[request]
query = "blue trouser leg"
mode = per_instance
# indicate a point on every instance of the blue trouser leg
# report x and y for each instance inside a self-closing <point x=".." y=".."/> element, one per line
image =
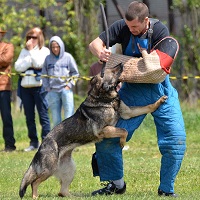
<point x="171" y="142"/>
<point x="29" y="111"/>
<point x="32" y="97"/>
<point x="57" y="100"/>
<point x="170" y="131"/>
<point x="55" y="106"/>
<point x="42" y="108"/>
<point x="5" y="110"/>
<point x="106" y="171"/>
<point x="109" y="153"/>
<point x="68" y="102"/>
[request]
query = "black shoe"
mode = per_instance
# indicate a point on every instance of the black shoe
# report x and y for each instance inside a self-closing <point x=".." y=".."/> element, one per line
<point x="161" y="193"/>
<point x="110" y="189"/>
<point x="9" y="149"/>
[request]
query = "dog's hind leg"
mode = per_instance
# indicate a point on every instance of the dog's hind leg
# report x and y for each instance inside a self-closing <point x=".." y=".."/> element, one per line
<point x="113" y="132"/>
<point x="127" y="112"/>
<point x="65" y="174"/>
<point x="28" y="178"/>
<point x="34" y="185"/>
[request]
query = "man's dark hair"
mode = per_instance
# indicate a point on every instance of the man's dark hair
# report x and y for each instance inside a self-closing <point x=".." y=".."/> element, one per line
<point x="137" y="10"/>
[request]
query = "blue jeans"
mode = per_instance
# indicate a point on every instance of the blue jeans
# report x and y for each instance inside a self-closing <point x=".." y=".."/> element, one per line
<point x="32" y="97"/>
<point x="57" y="100"/>
<point x="5" y="109"/>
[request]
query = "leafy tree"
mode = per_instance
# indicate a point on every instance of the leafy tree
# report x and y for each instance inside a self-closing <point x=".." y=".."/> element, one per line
<point x="190" y="47"/>
<point x="73" y="20"/>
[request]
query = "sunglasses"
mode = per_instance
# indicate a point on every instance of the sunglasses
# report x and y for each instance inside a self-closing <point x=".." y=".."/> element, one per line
<point x="32" y="37"/>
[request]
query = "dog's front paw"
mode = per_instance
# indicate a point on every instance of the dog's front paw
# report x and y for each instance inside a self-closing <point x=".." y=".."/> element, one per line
<point x="156" y="105"/>
<point x="35" y="197"/>
<point x="163" y="99"/>
<point x="122" y="144"/>
<point x="160" y="101"/>
<point x="123" y="137"/>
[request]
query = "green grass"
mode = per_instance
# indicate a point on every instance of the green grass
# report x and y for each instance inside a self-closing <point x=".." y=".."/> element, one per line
<point x="141" y="164"/>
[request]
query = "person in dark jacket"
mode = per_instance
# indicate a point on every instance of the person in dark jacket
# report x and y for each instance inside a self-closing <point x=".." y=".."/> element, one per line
<point x="6" y="58"/>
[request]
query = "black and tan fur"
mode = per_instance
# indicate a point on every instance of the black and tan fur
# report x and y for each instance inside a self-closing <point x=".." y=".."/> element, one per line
<point x="94" y="119"/>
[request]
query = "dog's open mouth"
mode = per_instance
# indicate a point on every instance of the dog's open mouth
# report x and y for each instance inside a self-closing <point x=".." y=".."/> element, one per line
<point x="107" y="87"/>
<point x="108" y="92"/>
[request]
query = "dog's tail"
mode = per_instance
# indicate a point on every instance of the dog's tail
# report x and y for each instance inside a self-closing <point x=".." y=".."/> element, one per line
<point x="28" y="178"/>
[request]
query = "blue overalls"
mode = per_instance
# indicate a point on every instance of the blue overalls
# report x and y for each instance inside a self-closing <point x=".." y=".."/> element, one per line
<point x="169" y="126"/>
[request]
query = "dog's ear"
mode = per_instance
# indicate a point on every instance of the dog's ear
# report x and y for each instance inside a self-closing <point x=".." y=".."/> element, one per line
<point x="119" y="69"/>
<point x="93" y="80"/>
<point x="95" y="84"/>
<point x="96" y="81"/>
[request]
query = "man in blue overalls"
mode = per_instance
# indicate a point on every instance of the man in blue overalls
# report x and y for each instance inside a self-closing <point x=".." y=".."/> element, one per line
<point x="130" y="32"/>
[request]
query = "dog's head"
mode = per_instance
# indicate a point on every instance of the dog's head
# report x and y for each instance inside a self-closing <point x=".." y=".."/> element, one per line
<point x="105" y="87"/>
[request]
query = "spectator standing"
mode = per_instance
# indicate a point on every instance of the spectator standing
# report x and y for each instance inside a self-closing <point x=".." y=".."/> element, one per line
<point x="30" y="89"/>
<point x="60" y="91"/>
<point x="6" y="58"/>
<point x="95" y="68"/>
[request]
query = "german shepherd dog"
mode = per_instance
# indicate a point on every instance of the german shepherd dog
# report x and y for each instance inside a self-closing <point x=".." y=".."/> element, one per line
<point x="94" y="119"/>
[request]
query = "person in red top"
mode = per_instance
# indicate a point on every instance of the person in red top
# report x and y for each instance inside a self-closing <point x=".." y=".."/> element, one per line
<point x="6" y="57"/>
<point x="95" y="68"/>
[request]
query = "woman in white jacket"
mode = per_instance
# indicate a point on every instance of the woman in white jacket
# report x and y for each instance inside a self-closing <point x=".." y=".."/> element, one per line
<point x="30" y="89"/>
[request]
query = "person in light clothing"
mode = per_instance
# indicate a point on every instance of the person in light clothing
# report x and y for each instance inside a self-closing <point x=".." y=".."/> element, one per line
<point x="30" y="88"/>
<point x="60" y="90"/>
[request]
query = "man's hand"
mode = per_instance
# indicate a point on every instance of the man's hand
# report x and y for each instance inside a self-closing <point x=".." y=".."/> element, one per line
<point x="98" y="48"/>
<point x="104" y="54"/>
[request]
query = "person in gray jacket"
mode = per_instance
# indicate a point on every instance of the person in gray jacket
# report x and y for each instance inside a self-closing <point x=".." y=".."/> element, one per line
<point x="60" y="90"/>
